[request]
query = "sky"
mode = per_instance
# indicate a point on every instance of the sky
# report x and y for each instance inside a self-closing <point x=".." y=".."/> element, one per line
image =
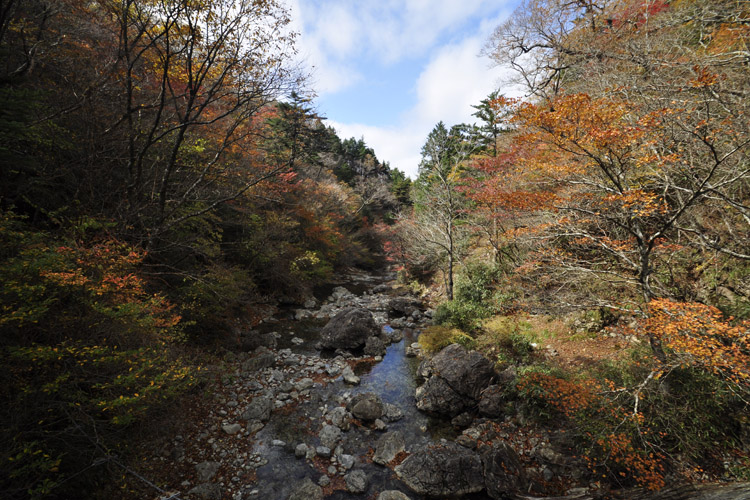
<point x="389" y="70"/>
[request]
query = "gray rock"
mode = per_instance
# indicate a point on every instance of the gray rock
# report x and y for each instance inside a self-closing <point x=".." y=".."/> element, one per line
<point x="356" y="481"/>
<point x="303" y="384"/>
<point x="206" y="471"/>
<point x="436" y="396"/>
<point x="206" y="491"/>
<point x="403" y="306"/>
<point x="259" y="409"/>
<point x="301" y="450"/>
<point x="349" y="329"/>
<point x="340" y="293"/>
<point x="374" y="347"/>
<point x="388" y="446"/>
<point x="251" y="341"/>
<point x="263" y="358"/>
<point x="349" y="376"/>
<point x="503" y="471"/>
<point x="392" y="495"/>
<point x="323" y="451"/>
<point x="330" y="435"/>
<point x="442" y="471"/>
<point x="413" y="350"/>
<point x="467" y="372"/>
<point x="307" y="490"/>
<point x="462" y="420"/>
<point x="492" y="402"/>
<point x="392" y="413"/>
<point x="340" y="417"/>
<point x="347" y="461"/>
<point x="231" y="428"/>
<point x="366" y="406"/>
<point x="324" y="480"/>
<point x="380" y="425"/>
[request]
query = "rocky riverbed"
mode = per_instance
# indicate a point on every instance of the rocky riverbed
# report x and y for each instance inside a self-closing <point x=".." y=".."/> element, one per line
<point x="334" y="400"/>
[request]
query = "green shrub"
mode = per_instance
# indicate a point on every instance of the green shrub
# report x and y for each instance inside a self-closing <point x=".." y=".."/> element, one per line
<point x="463" y="315"/>
<point x="435" y="338"/>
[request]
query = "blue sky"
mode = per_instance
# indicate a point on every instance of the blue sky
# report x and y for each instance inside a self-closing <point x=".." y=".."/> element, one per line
<point x="389" y="70"/>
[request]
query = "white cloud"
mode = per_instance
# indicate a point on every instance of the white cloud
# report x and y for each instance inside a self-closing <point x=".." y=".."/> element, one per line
<point x="335" y="35"/>
<point x="455" y="79"/>
<point x="338" y="36"/>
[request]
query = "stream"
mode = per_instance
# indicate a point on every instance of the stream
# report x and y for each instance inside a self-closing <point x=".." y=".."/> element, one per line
<point x="393" y="379"/>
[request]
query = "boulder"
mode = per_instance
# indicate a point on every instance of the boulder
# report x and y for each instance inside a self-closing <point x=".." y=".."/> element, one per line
<point x="349" y="329"/>
<point x="492" y="402"/>
<point x="263" y="358"/>
<point x="456" y="380"/>
<point x="436" y="396"/>
<point x="503" y="472"/>
<point x="403" y="306"/>
<point x="374" y="347"/>
<point x="366" y="406"/>
<point x="388" y="446"/>
<point x="252" y="340"/>
<point x="442" y="471"/>
<point x="259" y="409"/>
<point x="467" y="372"/>
<point x="307" y="490"/>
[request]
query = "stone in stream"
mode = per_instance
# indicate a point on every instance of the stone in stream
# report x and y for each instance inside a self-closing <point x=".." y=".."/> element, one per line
<point x="307" y="490"/>
<point x="388" y="446"/>
<point x="403" y="306"/>
<point x="366" y="406"/>
<point x="392" y="413"/>
<point x="259" y="409"/>
<point x="301" y="450"/>
<point x="356" y="481"/>
<point x="263" y="358"/>
<point x="413" y="350"/>
<point x="457" y="380"/>
<point x="251" y="340"/>
<point x="467" y="372"/>
<point x="392" y="495"/>
<point x="340" y="417"/>
<point x="436" y="396"/>
<point x="349" y="376"/>
<point x="374" y="346"/>
<point x="442" y="471"/>
<point x="349" y="330"/>
<point x="330" y="435"/>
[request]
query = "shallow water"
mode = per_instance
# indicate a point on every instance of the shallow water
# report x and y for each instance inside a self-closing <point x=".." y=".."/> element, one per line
<point x="393" y="379"/>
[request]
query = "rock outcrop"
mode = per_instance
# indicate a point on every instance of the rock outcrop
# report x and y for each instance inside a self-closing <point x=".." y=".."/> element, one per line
<point x="442" y="471"/>
<point x="349" y="330"/>
<point x="457" y="379"/>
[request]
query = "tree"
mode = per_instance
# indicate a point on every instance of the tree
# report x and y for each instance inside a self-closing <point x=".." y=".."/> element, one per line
<point x="438" y="204"/>
<point x="490" y="112"/>
<point x="640" y="168"/>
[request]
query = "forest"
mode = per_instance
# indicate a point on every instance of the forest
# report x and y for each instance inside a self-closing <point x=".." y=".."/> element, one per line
<point x="166" y="183"/>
